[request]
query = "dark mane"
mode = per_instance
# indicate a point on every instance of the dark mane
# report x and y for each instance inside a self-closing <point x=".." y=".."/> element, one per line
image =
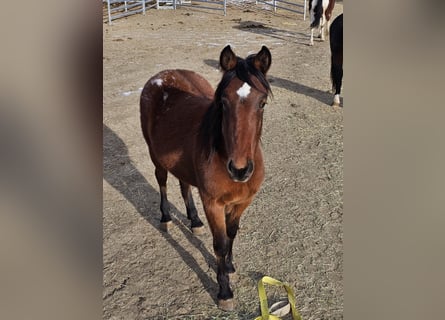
<point x="210" y="131"/>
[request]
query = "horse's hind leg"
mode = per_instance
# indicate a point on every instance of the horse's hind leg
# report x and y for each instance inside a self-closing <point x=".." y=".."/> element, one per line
<point x="161" y="177"/>
<point x="196" y="224"/>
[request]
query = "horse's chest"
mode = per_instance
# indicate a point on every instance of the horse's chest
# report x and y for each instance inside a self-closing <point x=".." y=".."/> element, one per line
<point x="238" y="194"/>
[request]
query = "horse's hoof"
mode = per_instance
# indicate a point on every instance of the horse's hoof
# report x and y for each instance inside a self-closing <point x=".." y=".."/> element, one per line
<point x="226" y="305"/>
<point x="165" y="226"/>
<point x="197" y="231"/>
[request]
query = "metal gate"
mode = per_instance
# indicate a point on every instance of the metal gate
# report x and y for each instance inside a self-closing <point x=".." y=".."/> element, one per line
<point x="294" y="6"/>
<point x="204" y="4"/>
<point x="118" y="9"/>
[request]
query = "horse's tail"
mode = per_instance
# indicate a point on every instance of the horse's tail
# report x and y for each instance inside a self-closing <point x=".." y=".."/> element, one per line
<point x="144" y="116"/>
<point x="318" y="12"/>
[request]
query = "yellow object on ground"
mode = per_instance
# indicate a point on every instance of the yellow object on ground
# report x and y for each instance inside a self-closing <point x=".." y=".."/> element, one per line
<point x="265" y="311"/>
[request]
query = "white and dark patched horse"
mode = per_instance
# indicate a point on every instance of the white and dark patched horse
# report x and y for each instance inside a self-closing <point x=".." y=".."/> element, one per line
<point x="320" y="12"/>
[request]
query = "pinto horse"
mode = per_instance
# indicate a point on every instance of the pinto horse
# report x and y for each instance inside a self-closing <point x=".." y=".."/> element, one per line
<point x="320" y="12"/>
<point x="210" y="140"/>
<point x="336" y="44"/>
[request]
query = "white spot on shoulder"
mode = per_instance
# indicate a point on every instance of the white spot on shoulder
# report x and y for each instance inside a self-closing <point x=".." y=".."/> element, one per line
<point x="165" y="96"/>
<point x="244" y="91"/>
<point x="157" y="82"/>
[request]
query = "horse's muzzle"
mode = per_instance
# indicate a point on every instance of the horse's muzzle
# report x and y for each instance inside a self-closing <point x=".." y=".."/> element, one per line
<point x="242" y="174"/>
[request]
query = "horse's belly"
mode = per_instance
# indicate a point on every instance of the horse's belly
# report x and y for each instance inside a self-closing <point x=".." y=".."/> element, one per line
<point x="183" y="170"/>
<point x="177" y="158"/>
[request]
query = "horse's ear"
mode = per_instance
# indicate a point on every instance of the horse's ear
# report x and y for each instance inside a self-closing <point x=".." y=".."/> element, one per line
<point x="227" y="59"/>
<point x="263" y="60"/>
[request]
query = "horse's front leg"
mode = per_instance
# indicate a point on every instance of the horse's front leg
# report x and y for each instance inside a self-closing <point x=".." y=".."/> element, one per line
<point x="217" y="222"/>
<point x="233" y="216"/>
<point x="322" y="28"/>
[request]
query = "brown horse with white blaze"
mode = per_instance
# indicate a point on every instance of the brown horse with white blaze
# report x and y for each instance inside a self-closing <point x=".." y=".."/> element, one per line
<point x="211" y="140"/>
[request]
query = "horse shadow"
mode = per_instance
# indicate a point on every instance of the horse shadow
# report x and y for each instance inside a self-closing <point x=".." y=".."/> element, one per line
<point x="120" y="172"/>
<point x="322" y="96"/>
<point x="276" y="33"/>
<point x="212" y="63"/>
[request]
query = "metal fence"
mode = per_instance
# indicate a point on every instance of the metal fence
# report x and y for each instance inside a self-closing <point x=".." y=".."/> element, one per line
<point x="118" y="9"/>
<point x="205" y="4"/>
<point x="287" y="5"/>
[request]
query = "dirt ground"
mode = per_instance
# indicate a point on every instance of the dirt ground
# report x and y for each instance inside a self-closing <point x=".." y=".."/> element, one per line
<point x="293" y="229"/>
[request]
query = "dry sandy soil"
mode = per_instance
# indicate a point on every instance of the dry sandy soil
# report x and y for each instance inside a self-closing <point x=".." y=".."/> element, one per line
<point x="293" y="229"/>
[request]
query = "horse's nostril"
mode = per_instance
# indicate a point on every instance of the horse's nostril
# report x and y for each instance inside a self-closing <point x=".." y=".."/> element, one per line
<point x="230" y="166"/>
<point x="233" y="168"/>
<point x="240" y="174"/>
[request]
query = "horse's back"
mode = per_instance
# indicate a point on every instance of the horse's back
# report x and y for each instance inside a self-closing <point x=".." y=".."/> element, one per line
<point x="173" y="103"/>
<point x="178" y="83"/>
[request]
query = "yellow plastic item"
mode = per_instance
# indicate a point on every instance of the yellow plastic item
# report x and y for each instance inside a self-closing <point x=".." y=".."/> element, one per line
<point x="265" y="313"/>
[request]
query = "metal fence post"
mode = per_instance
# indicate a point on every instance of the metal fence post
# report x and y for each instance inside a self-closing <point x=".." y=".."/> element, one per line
<point x="109" y="12"/>
<point x="304" y="13"/>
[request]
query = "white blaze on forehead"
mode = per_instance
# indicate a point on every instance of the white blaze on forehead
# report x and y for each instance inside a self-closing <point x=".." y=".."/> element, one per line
<point x="158" y="82"/>
<point x="244" y="91"/>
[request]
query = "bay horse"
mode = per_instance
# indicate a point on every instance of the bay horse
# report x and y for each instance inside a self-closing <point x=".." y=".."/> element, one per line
<point x="320" y="12"/>
<point x="336" y="44"/>
<point x="211" y="140"/>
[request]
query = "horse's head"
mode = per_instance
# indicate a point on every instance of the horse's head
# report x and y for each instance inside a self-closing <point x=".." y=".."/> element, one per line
<point x="242" y="96"/>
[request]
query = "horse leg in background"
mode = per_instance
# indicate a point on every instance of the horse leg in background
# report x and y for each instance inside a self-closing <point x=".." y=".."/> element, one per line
<point x="336" y="44"/>
<point x="161" y="177"/>
<point x="337" y="76"/>
<point x="192" y="214"/>
<point x="311" y="43"/>
<point x="323" y="28"/>
<point x="217" y="222"/>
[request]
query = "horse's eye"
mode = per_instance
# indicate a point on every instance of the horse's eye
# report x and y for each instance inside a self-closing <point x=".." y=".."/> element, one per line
<point x="262" y="105"/>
